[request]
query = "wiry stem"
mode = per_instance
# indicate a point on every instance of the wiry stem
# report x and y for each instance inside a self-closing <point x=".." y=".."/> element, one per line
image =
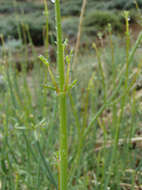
<point x="79" y="31"/>
<point x="62" y="103"/>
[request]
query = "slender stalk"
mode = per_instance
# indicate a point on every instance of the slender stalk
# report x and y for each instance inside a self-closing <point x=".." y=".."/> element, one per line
<point x="101" y="70"/>
<point x="127" y="48"/>
<point x="80" y="138"/>
<point x="63" y="153"/>
<point x="79" y="31"/>
<point x="47" y="29"/>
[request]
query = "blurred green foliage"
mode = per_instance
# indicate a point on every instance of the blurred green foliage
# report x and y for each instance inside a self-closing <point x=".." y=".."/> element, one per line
<point x="70" y="26"/>
<point x="15" y="14"/>
<point x="16" y="26"/>
<point x="97" y="21"/>
<point x="8" y="6"/>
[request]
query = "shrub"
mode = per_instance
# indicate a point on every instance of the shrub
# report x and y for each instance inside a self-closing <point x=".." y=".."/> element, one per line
<point x="134" y="16"/>
<point x="71" y="7"/>
<point x="35" y="22"/>
<point x="97" y="21"/>
<point x="11" y="45"/>
<point x="26" y="7"/>
<point x="8" y="26"/>
<point x="123" y="4"/>
<point x="70" y="26"/>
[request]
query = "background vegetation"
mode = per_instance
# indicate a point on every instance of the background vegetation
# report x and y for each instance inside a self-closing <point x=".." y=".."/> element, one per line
<point x="32" y="12"/>
<point x="104" y="107"/>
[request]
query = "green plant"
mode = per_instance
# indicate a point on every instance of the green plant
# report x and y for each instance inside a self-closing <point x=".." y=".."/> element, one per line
<point x="63" y="153"/>
<point x="84" y="4"/>
<point x="103" y="114"/>
<point x="62" y="95"/>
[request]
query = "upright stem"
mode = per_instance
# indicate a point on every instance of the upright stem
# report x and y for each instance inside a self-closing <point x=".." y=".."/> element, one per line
<point x="47" y="32"/>
<point x="79" y="31"/>
<point x="62" y="103"/>
<point x="60" y="54"/>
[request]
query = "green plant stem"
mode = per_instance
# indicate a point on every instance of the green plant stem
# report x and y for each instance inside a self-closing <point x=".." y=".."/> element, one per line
<point x="79" y="31"/>
<point x="62" y="103"/>
<point x="80" y="137"/>
<point x="47" y="29"/>
<point x="101" y="71"/>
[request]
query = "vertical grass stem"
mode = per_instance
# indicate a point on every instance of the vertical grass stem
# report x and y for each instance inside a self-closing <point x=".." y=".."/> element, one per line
<point x="62" y="103"/>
